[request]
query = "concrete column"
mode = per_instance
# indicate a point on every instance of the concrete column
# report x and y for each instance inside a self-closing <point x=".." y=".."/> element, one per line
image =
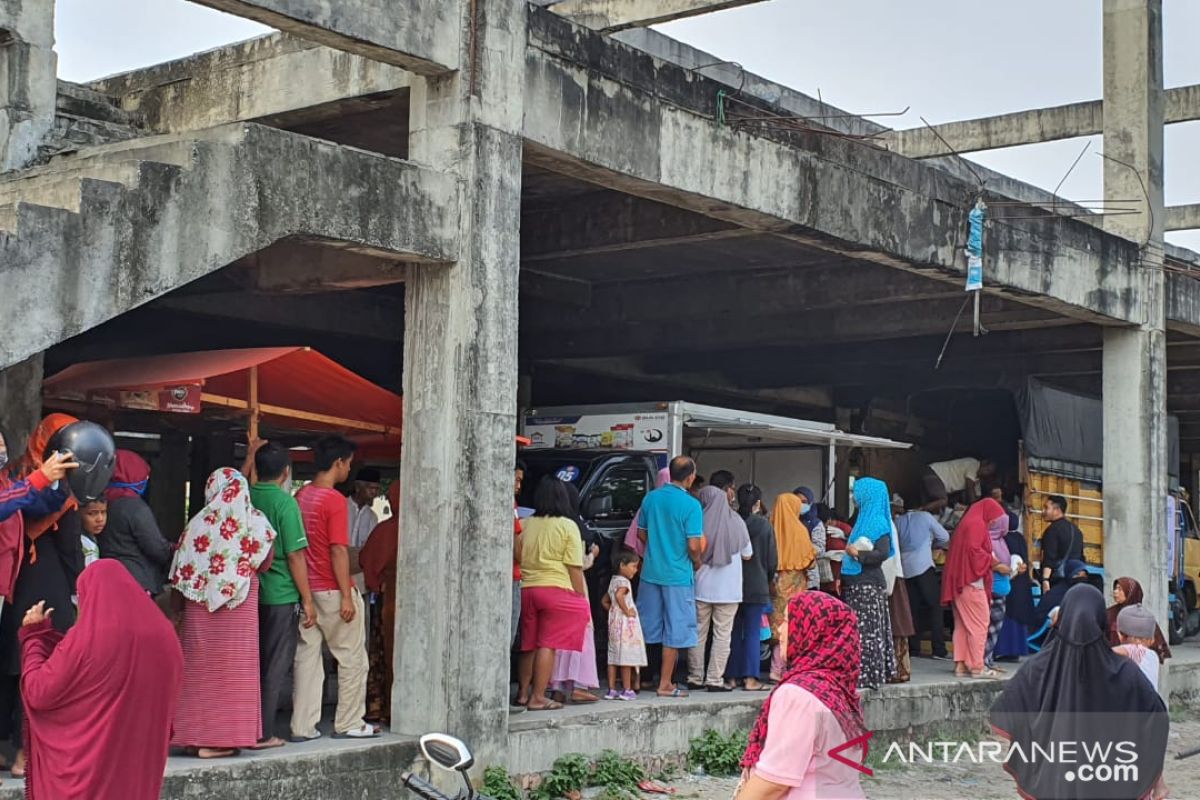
<point x="20" y="403"/>
<point x="460" y="386"/>
<point x="1135" y="366"/>
<point x="28" y="79"/>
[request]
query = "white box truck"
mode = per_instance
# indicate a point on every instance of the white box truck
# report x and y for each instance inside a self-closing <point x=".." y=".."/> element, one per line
<point x="776" y="453"/>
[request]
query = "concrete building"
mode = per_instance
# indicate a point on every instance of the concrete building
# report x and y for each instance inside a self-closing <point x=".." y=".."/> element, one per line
<point x="476" y="196"/>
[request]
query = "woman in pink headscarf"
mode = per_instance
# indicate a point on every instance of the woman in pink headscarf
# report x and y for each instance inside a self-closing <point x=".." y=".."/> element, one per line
<point x="632" y="542"/>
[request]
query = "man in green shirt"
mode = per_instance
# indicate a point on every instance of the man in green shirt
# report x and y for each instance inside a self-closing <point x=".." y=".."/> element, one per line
<point x="284" y="595"/>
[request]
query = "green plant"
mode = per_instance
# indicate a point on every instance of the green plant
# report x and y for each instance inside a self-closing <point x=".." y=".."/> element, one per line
<point x="618" y="775"/>
<point x="716" y="754"/>
<point x="570" y="773"/>
<point x="498" y="785"/>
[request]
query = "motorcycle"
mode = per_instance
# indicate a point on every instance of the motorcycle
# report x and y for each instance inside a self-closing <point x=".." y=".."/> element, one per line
<point x="450" y="754"/>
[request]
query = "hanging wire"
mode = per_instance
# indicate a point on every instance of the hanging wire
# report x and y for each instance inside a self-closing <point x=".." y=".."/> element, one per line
<point x="942" y="139"/>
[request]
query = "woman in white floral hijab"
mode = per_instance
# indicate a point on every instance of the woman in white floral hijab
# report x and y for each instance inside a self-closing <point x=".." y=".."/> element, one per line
<point x="216" y="567"/>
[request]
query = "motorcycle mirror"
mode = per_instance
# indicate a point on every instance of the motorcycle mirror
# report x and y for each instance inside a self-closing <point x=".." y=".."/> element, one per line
<point x="446" y="751"/>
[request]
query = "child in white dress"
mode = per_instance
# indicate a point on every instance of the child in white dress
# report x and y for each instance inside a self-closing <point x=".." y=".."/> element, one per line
<point x="626" y="647"/>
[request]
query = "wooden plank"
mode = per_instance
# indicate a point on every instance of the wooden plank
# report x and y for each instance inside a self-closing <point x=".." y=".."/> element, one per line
<point x="291" y="413"/>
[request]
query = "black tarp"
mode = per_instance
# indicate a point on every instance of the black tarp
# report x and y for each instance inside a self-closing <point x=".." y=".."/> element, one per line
<point x="1064" y="432"/>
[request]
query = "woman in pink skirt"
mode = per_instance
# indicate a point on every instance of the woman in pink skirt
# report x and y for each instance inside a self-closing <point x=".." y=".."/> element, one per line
<point x="216" y="569"/>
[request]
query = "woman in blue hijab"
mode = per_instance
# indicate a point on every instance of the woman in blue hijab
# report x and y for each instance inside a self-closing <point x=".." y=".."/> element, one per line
<point x="864" y="587"/>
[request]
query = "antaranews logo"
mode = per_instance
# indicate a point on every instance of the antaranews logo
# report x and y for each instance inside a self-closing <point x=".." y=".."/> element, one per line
<point x="1074" y="761"/>
<point x="858" y="742"/>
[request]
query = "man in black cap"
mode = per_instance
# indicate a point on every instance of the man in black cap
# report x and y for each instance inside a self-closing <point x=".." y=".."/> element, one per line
<point x="361" y="505"/>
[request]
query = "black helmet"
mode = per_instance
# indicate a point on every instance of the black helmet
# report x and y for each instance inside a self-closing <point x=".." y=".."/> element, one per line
<point x="93" y="447"/>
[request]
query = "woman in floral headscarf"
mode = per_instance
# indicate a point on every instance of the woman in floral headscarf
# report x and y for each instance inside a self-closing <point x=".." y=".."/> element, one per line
<point x="215" y="569"/>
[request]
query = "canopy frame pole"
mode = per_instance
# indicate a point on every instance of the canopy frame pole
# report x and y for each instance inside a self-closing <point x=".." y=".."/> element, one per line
<point x="255" y="410"/>
<point x="296" y="414"/>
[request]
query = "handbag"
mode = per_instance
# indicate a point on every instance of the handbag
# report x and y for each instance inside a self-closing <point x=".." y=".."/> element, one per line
<point x="1061" y="570"/>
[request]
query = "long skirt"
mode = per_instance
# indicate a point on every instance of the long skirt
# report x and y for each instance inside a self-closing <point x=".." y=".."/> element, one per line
<point x="900" y="613"/>
<point x="870" y="603"/>
<point x="576" y="670"/>
<point x="972" y="613"/>
<point x="220" y="704"/>
<point x="1013" y="641"/>
<point x="380" y="652"/>
<point x="995" y="623"/>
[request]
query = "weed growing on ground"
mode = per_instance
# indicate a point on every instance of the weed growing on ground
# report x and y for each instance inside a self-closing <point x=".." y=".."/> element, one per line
<point x="716" y="754"/>
<point x="568" y="775"/>
<point x="497" y="784"/>
<point x="619" y="776"/>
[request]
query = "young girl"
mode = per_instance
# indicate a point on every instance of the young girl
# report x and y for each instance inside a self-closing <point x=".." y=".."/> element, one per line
<point x="626" y="647"/>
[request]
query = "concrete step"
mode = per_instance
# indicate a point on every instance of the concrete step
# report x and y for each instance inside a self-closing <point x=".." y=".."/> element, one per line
<point x="64" y="189"/>
<point x="79" y="101"/>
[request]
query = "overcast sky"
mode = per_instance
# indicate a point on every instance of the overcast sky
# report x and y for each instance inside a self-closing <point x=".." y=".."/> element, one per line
<point x="946" y="59"/>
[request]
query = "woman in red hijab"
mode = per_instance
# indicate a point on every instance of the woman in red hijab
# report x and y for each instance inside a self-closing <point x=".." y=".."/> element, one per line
<point x="815" y="709"/>
<point x="99" y="701"/>
<point x="378" y="561"/>
<point x="967" y="587"/>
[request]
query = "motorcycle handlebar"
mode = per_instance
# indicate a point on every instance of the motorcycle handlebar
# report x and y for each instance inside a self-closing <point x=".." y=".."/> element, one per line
<point x="422" y="788"/>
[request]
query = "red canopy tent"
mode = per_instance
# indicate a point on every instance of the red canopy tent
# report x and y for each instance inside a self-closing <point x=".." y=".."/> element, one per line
<point x="292" y="387"/>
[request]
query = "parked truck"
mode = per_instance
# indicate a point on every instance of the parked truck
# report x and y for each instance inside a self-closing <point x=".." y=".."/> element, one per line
<point x="1062" y="454"/>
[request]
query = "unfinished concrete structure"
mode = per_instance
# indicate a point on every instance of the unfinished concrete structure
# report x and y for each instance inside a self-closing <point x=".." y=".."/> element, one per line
<point x="473" y="196"/>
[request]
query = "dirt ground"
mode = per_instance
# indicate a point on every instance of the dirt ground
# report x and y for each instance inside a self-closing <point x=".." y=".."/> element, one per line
<point x="970" y="781"/>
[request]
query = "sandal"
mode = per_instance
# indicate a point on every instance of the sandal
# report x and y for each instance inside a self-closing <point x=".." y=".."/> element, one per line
<point x="269" y="744"/>
<point x="674" y="694"/>
<point x="363" y="731"/>
<point x="986" y="674"/>
<point x="207" y="753"/>
<point x="580" y="697"/>
<point x="552" y="705"/>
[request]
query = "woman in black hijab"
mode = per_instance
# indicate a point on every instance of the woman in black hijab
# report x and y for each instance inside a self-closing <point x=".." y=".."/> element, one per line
<point x="1092" y="711"/>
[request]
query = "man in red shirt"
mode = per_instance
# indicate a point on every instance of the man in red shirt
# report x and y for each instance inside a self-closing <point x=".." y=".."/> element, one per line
<point x="339" y="605"/>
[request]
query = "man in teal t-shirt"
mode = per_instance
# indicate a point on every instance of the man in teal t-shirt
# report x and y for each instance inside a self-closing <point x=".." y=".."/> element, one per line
<point x="284" y="596"/>
<point x="671" y="523"/>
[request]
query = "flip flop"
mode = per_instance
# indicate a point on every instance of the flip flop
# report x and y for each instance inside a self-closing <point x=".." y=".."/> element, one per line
<point x="553" y="705"/>
<point x="654" y="787"/>
<point x="269" y="744"/>
<point x="675" y="694"/>
<point x="582" y="698"/>
<point x="302" y="739"/>
<point x="363" y="731"/>
<point x="216" y="752"/>
<point x="987" y="674"/>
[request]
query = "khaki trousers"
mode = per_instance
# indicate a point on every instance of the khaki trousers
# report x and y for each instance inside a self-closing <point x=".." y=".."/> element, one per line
<point x="720" y="616"/>
<point x="347" y="643"/>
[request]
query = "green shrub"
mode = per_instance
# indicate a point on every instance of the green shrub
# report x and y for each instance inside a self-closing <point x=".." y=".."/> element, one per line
<point x="716" y="754"/>
<point x="619" y="776"/>
<point x="498" y="784"/>
<point x="570" y="773"/>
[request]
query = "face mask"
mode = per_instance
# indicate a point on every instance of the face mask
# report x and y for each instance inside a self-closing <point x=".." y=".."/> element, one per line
<point x="805" y="508"/>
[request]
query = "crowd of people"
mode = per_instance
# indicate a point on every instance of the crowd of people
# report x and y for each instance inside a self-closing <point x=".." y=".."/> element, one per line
<point x="263" y="581"/>
<point x="210" y="627"/>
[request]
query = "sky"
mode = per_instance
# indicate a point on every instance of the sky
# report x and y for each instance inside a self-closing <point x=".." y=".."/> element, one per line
<point x="943" y="59"/>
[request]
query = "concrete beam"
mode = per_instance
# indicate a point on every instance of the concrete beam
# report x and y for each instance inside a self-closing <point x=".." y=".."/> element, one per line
<point x="615" y="116"/>
<point x="711" y="385"/>
<point x="847" y="287"/>
<point x="256" y="79"/>
<point x="1028" y="127"/>
<point x="361" y="314"/>
<point x="609" y="222"/>
<point x="609" y="16"/>
<point x="883" y="322"/>
<point x="424" y="38"/>
<point x="1182" y="218"/>
<point x="293" y="266"/>
<point x="92" y="236"/>
<point x="28" y="86"/>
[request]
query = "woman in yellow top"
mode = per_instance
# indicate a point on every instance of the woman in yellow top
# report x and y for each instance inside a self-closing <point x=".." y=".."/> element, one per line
<point x="554" y="608"/>
<point x="796" y="556"/>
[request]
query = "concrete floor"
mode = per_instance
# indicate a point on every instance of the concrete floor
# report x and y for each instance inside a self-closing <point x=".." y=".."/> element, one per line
<point x="541" y="736"/>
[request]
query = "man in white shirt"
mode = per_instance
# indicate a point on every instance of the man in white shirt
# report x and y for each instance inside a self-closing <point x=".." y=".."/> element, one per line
<point x="361" y="505"/>
<point x="957" y="479"/>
